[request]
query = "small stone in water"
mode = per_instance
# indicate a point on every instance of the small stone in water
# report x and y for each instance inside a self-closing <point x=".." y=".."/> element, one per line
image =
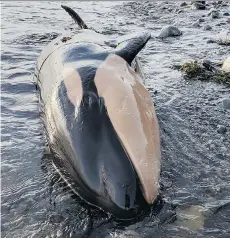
<point x="199" y="5"/>
<point x="226" y="65"/>
<point x="221" y="129"/>
<point x="210" y="41"/>
<point x="183" y="4"/>
<point x="201" y="20"/>
<point x="169" y="31"/>
<point x="207" y="28"/>
<point x="212" y="146"/>
<point x="222" y="139"/>
<point x="226" y="103"/>
<point x="214" y="13"/>
<point x="196" y="25"/>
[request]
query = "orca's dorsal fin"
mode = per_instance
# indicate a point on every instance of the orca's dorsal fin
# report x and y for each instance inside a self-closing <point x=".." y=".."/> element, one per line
<point x="75" y="17"/>
<point x="129" y="48"/>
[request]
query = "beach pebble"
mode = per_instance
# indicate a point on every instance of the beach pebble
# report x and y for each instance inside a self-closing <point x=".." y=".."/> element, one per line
<point x="196" y="25"/>
<point x="226" y="103"/>
<point x="222" y="23"/>
<point x="226" y="65"/>
<point x="212" y="146"/>
<point x="224" y="37"/>
<point x="183" y="4"/>
<point x="222" y="139"/>
<point x="214" y="13"/>
<point x="207" y="28"/>
<point x="221" y="129"/>
<point x="210" y="41"/>
<point x="180" y="11"/>
<point x="169" y="31"/>
<point x="198" y="5"/>
<point x="201" y="20"/>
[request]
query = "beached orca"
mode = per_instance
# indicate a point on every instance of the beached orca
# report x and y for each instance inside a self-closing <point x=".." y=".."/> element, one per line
<point x="99" y="119"/>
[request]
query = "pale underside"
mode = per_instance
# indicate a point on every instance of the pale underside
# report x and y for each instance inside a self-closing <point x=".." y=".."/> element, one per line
<point x="131" y="111"/>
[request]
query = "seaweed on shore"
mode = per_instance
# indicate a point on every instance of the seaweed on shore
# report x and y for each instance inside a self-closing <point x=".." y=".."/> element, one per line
<point x="191" y="69"/>
<point x="205" y="71"/>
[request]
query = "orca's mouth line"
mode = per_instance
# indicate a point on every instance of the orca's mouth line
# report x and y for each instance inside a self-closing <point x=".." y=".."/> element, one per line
<point x="93" y="205"/>
<point x="72" y="188"/>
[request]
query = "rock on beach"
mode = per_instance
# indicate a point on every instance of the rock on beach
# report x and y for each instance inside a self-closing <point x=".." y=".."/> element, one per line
<point x="169" y="31"/>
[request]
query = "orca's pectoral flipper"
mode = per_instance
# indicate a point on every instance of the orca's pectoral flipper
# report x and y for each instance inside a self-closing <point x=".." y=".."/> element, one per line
<point x="129" y="48"/>
<point x="75" y="17"/>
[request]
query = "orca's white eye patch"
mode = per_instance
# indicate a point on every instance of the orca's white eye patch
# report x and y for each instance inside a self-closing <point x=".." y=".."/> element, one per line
<point x="73" y="84"/>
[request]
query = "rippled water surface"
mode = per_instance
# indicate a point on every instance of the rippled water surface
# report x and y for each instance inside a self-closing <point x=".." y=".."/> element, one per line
<point x="195" y="177"/>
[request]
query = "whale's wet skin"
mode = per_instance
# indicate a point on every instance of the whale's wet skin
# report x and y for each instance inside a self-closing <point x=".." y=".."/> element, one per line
<point x="99" y="119"/>
<point x="195" y="158"/>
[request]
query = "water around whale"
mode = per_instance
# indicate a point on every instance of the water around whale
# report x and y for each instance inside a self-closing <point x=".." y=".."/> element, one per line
<point x="195" y="158"/>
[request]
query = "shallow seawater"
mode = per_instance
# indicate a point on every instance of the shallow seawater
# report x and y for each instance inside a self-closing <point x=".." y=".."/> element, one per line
<point x="195" y="177"/>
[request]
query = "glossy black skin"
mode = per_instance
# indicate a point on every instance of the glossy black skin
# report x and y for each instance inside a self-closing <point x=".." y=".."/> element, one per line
<point x="93" y="159"/>
<point x="107" y="175"/>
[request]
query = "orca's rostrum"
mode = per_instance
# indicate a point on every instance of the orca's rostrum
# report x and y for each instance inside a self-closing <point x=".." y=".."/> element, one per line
<point x="100" y="120"/>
